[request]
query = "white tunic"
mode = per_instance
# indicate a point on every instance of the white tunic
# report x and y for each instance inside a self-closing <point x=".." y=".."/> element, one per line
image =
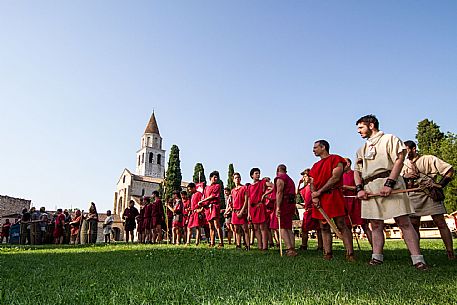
<point x="385" y="149"/>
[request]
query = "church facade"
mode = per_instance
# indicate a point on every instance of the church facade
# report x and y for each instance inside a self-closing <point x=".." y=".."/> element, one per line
<point x="149" y="172"/>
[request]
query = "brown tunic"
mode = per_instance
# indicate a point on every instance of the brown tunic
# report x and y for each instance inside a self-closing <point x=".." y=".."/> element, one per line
<point x="427" y="167"/>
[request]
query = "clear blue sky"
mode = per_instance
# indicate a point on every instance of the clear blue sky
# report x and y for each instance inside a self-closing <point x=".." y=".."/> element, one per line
<point x="252" y="83"/>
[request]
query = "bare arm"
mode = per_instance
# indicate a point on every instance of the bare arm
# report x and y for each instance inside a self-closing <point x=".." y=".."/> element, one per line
<point x="279" y="195"/>
<point x="206" y="199"/>
<point x="358" y="180"/>
<point x="336" y="176"/>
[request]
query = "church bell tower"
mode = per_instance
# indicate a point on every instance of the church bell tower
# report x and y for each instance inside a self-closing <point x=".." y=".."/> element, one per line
<point x="150" y="158"/>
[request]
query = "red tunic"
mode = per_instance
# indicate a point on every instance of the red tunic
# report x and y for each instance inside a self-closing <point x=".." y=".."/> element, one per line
<point x="308" y="222"/>
<point x="140" y="221"/>
<point x="288" y="201"/>
<point x="147" y="216"/>
<point x="178" y="214"/>
<point x="157" y="213"/>
<point x="353" y="205"/>
<point x="6" y="229"/>
<point x="332" y="202"/>
<point x="194" y="219"/>
<point x="186" y="211"/>
<point x="238" y="197"/>
<point x="257" y="209"/>
<point x="212" y="207"/>
<point x="271" y="205"/>
<point x="58" y="228"/>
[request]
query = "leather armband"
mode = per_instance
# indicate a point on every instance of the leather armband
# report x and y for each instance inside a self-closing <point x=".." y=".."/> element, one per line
<point x="359" y="187"/>
<point x="390" y="183"/>
<point x="445" y="181"/>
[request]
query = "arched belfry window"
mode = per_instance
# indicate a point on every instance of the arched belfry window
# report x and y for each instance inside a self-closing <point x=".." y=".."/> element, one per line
<point x="151" y="155"/>
<point x="149" y="141"/>
<point x="123" y="179"/>
<point x="142" y="158"/>
<point x="159" y="159"/>
<point x="142" y="192"/>
<point x="139" y="160"/>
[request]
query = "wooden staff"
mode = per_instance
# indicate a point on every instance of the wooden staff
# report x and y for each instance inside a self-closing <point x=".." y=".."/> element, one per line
<point x="396" y="192"/>
<point x="392" y="193"/>
<point x="356" y="237"/>
<point x="332" y="225"/>
<point x="280" y="239"/>
<point x="80" y="227"/>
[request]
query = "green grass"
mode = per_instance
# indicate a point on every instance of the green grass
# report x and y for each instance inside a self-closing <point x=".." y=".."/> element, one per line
<point x="160" y="274"/>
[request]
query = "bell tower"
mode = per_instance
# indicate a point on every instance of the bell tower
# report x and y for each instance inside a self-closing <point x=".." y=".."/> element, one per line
<point x="150" y="158"/>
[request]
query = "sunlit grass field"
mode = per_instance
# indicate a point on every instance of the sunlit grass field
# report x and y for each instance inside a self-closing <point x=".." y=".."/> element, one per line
<point x="161" y="274"/>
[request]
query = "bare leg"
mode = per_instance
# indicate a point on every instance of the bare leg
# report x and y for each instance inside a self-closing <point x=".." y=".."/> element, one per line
<point x="367" y="231"/>
<point x="409" y="234"/>
<point x="377" y="227"/>
<point x="258" y="235"/>
<point x="198" y="235"/>
<point x="445" y="233"/>
<point x="304" y="240"/>
<point x="320" y="243"/>
<point x="218" y="229"/>
<point x="326" y="239"/>
<point x="188" y="236"/>
<point x="211" y="233"/>
<point x="264" y="231"/>
<point x="347" y="234"/>
<point x="159" y="233"/>
<point x="207" y="233"/>
<point x="416" y="222"/>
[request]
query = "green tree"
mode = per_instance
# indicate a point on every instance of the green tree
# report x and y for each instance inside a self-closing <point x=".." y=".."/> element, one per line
<point x="222" y="200"/>
<point x="448" y="152"/>
<point x="431" y="141"/>
<point x="231" y="171"/>
<point x="173" y="177"/>
<point x="199" y="173"/>
<point x="160" y="190"/>
<point x="429" y="137"/>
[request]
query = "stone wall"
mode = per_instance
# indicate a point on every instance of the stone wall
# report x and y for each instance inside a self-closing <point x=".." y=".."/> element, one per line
<point x="11" y="205"/>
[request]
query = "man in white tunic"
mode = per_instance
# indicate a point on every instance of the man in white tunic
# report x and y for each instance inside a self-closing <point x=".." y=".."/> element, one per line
<point x="422" y="171"/>
<point x="377" y="171"/>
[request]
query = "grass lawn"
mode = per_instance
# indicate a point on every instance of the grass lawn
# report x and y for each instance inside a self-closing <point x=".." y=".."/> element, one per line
<point x="160" y="274"/>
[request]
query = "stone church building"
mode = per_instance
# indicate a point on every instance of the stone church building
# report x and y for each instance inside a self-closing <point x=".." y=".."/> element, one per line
<point x="149" y="173"/>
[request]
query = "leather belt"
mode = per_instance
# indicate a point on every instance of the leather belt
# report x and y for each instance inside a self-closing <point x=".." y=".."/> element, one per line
<point x="377" y="176"/>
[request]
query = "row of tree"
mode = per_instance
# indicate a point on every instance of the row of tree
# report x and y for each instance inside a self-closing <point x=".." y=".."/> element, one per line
<point x="174" y="176"/>
<point x="430" y="140"/>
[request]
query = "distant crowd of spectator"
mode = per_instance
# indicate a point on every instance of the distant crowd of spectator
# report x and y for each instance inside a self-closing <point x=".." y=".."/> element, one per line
<point x="35" y="227"/>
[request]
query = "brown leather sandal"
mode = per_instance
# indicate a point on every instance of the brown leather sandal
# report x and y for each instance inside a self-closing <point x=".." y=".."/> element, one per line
<point x="375" y="262"/>
<point x="421" y="266"/>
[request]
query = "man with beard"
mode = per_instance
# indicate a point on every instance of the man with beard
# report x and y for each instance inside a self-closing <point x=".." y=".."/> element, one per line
<point x="422" y="171"/>
<point x="378" y="166"/>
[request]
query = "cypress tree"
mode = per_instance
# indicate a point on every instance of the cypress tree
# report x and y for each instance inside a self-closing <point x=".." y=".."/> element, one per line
<point x="174" y="177"/>
<point x="231" y="171"/>
<point x="429" y="137"/>
<point x="199" y="173"/>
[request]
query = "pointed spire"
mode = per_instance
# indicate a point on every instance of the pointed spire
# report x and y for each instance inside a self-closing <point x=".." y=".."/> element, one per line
<point x="152" y="125"/>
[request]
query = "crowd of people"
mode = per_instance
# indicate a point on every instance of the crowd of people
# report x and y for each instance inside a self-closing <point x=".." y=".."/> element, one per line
<point x="61" y="227"/>
<point x="390" y="180"/>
